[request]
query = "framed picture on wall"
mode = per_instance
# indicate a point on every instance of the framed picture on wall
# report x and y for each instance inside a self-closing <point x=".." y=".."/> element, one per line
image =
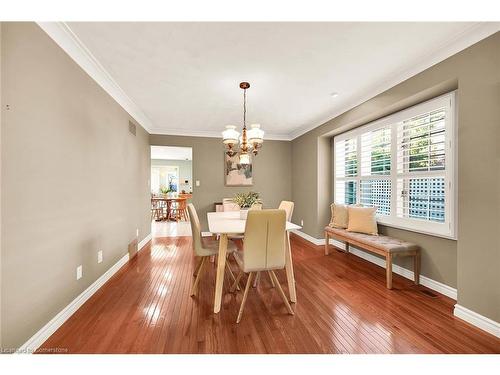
<point x="236" y="174"/>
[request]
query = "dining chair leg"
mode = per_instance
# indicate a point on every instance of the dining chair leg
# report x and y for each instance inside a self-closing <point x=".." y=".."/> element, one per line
<point x="197" y="280"/>
<point x="236" y="283"/>
<point x="197" y="268"/>
<point x="281" y="293"/>
<point x="232" y="275"/>
<point x="256" y="280"/>
<point x="271" y="278"/>
<point x="244" y="300"/>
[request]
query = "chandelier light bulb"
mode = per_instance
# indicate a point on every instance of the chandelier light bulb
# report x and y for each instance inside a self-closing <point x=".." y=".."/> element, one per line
<point x="255" y="134"/>
<point x="230" y="135"/>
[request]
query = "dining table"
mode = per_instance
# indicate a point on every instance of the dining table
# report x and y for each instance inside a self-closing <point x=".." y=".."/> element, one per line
<point x="230" y="223"/>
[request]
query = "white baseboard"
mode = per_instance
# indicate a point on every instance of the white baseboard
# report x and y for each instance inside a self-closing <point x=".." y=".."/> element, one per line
<point x="144" y="242"/>
<point x="48" y="329"/>
<point x="480" y="321"/>
<point x="314" y="240"/>
<point x="425" y="281"/>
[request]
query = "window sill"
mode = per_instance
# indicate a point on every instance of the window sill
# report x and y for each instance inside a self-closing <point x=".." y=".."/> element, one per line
<point x="420" y="231"/>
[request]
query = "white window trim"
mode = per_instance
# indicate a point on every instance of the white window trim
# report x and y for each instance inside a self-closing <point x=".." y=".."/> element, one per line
<point x="446" y="229"/>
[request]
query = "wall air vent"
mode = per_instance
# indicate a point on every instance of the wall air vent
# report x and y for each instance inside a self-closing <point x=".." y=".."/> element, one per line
<point x="428" y="293"/>
<point x="132" y="127"/>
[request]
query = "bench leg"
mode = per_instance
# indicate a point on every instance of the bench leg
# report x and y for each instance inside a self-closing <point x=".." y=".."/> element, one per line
<point x="416" y="267"/>
<point x="388" y="269"/>
<point x="347" y="247"/>
<point x="327" y="242"/>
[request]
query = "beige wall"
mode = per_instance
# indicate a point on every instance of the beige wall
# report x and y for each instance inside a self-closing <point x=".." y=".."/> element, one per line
<point x="1" y="116"/>
<point x="271" y="171"/>
<point x="74" y="181"/>
<point x="472" y="263"/>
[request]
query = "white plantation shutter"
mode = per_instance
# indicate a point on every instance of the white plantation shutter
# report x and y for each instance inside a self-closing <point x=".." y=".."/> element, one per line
<point x="421" y="142"/>
<point x="346" y="169"/>
<point x="346" y="158"/>
<point x="402" y="164"/>
<point x="346" y="192"/>
<point x="376" y="152"/>
<point x="375" y="184"/>
<point x="421" y="153"/>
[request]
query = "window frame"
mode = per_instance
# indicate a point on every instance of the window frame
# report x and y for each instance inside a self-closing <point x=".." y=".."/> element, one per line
<point x="447" y="229"/>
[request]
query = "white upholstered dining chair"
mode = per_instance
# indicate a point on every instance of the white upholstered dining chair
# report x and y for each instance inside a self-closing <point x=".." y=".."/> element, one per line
<point x="229" y="205"/>
<point x="263" y="250"/>
<point x="204" y="248"/>
<point x="288" y="207"/>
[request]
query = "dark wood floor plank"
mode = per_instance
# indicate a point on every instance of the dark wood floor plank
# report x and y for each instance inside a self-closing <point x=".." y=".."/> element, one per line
<point x="343" y="307"/>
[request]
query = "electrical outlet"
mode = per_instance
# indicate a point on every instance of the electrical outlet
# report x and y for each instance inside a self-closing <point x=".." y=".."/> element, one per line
<point x="79" y="272"/>
<point x="99" y="256"/>
<point x="137" y="232"/>
<point x="301" y="222"/>
<point x="197" y="182"/>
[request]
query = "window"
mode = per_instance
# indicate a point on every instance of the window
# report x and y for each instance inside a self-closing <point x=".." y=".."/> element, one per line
<point x="402" y="164"/>
<point x="164" y="177"/>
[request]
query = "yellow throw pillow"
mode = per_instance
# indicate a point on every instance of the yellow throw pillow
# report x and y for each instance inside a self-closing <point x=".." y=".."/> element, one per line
<point x="362" y="220"/>
<point x="339" y="216"/>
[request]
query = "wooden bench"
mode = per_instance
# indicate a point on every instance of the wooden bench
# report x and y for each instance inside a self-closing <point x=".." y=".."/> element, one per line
<point x="386" y="246"/>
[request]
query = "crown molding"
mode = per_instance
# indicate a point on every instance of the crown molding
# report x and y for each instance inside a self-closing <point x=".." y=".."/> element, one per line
<point x="62" y="34"/>
<point x="211" y="134"/>
<point x="452" y="46"/>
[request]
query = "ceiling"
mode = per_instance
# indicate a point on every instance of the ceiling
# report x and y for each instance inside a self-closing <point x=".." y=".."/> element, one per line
<point x="184" y="78"/>
<point x="171" y="153"/>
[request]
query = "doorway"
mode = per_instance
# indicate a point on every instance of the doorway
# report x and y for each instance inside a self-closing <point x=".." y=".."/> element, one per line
<point x="171" y="190"/>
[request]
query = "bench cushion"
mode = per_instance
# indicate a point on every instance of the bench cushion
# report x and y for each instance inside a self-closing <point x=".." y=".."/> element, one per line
<point x="384" y="243"/>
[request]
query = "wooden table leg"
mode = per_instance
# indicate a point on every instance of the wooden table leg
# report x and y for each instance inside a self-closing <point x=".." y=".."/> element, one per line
<point x="289" y="269"/>
<point x="221" y="265"/>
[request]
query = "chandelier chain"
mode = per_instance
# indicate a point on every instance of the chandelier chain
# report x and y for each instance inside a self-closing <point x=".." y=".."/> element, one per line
<point x="244" y="108"/>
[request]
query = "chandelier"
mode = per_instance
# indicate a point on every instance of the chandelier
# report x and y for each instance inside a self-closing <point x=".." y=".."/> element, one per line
<point x="250" y="141"/>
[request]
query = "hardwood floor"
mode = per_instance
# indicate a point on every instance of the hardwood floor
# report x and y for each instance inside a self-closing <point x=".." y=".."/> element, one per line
<point x="343" y="307"/>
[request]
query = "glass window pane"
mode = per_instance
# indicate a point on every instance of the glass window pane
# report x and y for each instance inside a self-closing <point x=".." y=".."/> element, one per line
<point x="345" y="192"/>
<point x="377" y="193"/>
<point x="422" y="198"/>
